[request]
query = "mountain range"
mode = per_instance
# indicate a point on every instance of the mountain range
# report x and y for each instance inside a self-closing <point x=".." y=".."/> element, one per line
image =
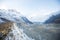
<point x="14" y="16"/>
<point x="54" y="18"/>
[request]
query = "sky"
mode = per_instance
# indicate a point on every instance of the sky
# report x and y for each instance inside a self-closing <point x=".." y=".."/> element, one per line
<point x="34" y="10"/>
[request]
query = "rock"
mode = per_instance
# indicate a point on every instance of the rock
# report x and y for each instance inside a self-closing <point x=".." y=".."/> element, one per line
<point x="4" y="29"/>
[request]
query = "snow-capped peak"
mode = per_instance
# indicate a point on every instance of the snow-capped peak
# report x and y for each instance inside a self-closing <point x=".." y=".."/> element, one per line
<point x="10" y="15"/>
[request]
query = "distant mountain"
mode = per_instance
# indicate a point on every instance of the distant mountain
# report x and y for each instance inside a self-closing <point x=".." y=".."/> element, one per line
<point x="55" y="18"/>
<point x="26" y="20"/>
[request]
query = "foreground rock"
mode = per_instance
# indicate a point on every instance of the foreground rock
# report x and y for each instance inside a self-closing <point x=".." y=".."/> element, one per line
<point x="5" y="28"/>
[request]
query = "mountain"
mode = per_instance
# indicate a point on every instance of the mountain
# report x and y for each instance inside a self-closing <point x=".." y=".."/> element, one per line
<point x="54" y="18"/>
<point x="13" y="16"/>
<point x="26" y="20"/>
<point x="9" y="29"/>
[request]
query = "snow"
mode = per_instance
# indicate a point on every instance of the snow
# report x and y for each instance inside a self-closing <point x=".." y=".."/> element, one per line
<point x="11" y="15"/>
